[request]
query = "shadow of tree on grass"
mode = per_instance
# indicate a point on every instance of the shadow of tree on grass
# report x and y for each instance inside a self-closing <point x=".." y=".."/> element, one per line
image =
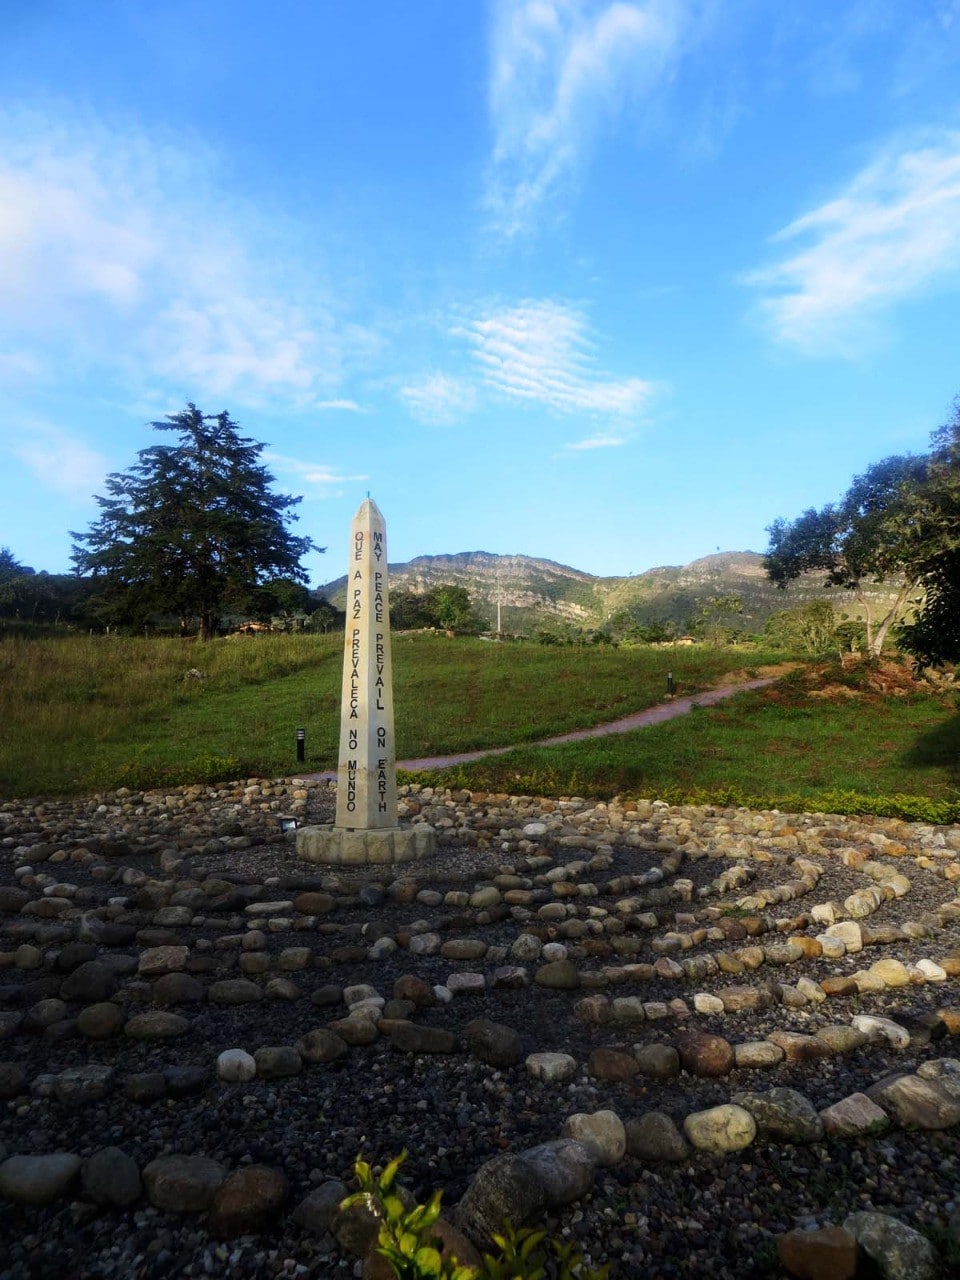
<point x="938" y="748"/>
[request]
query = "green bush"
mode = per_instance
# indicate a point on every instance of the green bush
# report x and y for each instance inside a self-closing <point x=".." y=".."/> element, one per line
<point x="407" y="1241"/>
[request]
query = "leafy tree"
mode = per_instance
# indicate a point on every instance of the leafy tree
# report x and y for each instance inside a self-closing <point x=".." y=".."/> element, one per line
<point x="326" y="616"/>
<point x="454" y="610"/>
<point x="284" y="602"/>
<point x="14" y="578"/>
<point x="10" y="566"/>
<point x="933" y="637"/>
<point x="191" y="528"/>
<point x="410" y="610"/>
<point x="871" y="535"/>
<point x="715" y="615"/>
<point x="809" y="628"/>
<point x="33" y="597"/>
<point x="447" y="607"/>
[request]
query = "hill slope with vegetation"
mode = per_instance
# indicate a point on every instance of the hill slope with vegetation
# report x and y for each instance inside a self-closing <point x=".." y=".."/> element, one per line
<point x="535" y="593"/>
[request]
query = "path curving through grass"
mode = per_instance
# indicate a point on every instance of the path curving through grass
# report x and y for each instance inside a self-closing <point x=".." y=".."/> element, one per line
<point x="658" y="714"/>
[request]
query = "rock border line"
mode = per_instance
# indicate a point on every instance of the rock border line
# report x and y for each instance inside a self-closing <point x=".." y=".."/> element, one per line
<point x="50" y="915"/>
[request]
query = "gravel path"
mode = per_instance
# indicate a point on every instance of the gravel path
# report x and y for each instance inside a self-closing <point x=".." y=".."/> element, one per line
<point x="669" y="960"/>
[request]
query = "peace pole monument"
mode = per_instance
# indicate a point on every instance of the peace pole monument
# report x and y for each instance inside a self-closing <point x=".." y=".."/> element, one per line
<point x="367" y="827"/>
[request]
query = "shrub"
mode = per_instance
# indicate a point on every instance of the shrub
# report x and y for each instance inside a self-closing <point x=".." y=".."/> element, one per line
<point x="407" y="1241"/>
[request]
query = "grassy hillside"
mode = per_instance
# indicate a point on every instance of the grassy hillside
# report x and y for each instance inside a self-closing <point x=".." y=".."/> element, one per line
<point x="86" y="712"/>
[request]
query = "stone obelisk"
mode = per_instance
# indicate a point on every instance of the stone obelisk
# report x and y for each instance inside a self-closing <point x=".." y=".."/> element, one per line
<point x="367" y="828"/>
<point x="367" y="776"/>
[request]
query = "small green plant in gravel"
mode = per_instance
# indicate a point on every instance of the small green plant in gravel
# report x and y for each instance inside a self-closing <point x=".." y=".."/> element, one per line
<point x="406" y="1238"/>
<point x="946" y="1242"/>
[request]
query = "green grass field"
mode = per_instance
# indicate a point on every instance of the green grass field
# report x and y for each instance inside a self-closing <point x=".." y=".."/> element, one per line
<point x="92" y="713"/>
<point x="854" y="749"/>
<point x="83" y="713"/>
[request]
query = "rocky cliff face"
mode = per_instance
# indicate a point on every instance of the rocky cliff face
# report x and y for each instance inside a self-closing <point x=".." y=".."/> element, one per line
<point x="533" y="592"/>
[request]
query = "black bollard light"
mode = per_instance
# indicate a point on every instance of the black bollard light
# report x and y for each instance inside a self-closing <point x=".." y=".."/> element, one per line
<point x="301" y="745"/>
<point x="671" y="688"/>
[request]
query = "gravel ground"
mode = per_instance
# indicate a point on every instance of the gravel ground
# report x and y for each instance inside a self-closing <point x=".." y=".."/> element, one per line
<point x="120" y="874"/>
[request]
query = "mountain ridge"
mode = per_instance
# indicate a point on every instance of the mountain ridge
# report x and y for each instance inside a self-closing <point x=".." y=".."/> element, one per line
<point x="534" y="591"/>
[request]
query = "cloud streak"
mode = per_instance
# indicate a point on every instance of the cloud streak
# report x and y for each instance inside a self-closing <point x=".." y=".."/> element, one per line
<point x="604" y="440"/>
<point x="319" y="474"/>
<point x="439" y="399"/>
<point x="541" y="352"/>
<point x="892" y="234"/>
<point x="559" y="70"/>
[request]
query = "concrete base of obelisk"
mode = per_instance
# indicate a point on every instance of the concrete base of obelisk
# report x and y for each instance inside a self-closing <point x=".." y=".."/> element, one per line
<point x="344" y="846"/>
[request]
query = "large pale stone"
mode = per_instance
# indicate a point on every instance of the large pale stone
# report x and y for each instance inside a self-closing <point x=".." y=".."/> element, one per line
<point x="564" y="1168"/>
<point x="654" y="1137"/>
<point x="916" y="1103"/>
<point x="854" y="1116"/>
<point x="899" y="1252"/>
<point x="848" y="932"/>
<point x="880" y="1029"/>
<point x="236" y="1066"/>
<point x="602" y="1132"/>
<point x="892" y="972"/>
<point x="757" y="1054"/>
<point x="799" y="1047"/>
<point x="506" y="1187"/>
<point x="169" y="959"/>
<point x="840" y="1038"/>
<point x="782" y="1114"/>
<point x="552" y="1068"/>
<point x="720" y="1129"/>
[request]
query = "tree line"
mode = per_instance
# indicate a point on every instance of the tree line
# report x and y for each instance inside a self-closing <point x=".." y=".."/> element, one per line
<point x="897" y="522"/>
<point x="194" y="533"/>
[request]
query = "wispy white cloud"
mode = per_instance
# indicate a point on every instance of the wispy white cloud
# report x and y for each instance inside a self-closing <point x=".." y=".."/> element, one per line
<point x="560" y="68"/>
<point x="324" y="479"/>
<point x="890" y="235"/>
<point x="439" y="398"/>
<point x="348" y="406"/>
<point x="61" y="461"/>
<point x="604" y="440"/>
<point x="121" y="248"/>
<point x="542" y="351"/>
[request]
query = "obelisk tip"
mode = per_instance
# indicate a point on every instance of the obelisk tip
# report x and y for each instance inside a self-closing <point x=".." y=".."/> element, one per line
<point x="368" y="508"/>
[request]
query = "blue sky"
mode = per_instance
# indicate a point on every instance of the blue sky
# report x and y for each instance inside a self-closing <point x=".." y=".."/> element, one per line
<point x="612" y="283"/>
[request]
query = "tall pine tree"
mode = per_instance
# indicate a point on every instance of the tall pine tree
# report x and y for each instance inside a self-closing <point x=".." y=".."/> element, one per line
<point x="190" y="529"/>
